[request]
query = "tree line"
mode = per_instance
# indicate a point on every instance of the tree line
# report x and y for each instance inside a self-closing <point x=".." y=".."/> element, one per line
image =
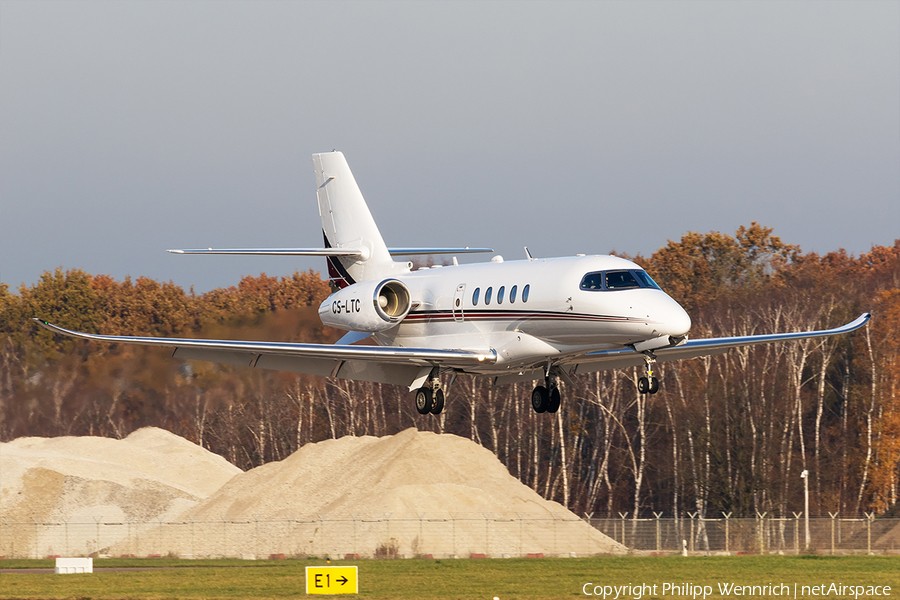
<point x="729" y="433"/>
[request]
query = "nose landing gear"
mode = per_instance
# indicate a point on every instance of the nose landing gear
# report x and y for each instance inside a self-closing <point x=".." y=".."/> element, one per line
<point x="648" y="384"/>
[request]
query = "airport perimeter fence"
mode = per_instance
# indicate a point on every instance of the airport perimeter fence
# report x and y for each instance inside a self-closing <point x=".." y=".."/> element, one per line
<point x="459" y="535"/>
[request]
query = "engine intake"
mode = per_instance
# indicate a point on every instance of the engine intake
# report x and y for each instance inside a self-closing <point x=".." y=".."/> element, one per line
<point x="369" y="306"/>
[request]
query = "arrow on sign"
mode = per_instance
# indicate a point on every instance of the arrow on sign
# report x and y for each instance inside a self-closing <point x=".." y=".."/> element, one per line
<point x="342" y="580"/>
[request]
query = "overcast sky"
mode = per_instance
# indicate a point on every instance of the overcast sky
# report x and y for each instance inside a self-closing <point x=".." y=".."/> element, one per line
<point x="130" y="127"/>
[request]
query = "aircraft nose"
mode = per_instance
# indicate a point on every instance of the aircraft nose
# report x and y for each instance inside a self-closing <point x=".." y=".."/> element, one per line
<point x="671" y="318"/>
<point x="676" y="320"/>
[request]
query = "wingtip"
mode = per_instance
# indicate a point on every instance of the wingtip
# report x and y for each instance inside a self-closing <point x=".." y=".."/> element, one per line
<point x="857" y="323"/>
<point x="176" y="251"/>
<point x="45" y="324"/>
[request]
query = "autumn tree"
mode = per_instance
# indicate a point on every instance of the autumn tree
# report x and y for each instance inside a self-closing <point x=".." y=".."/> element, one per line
<point x="725" y="433"/>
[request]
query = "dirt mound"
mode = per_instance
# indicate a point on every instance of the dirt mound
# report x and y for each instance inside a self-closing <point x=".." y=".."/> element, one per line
<point x="411" y="472"/>
<point x="150" y="475"/>
<point x="414" y="493"/>
<point x="411" y="493"/>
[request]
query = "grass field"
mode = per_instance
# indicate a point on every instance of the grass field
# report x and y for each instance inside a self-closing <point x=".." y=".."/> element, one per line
<point x="507" y="579"/>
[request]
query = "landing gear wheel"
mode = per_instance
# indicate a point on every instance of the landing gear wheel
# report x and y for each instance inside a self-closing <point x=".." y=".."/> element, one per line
<point x="423" y="400"/>
<point x="555" y="398"/>
<point x="643" y="385"/>
<point x="654" y="385"/>
<point x="438" y="404"/>
<point x="540" y="399"/>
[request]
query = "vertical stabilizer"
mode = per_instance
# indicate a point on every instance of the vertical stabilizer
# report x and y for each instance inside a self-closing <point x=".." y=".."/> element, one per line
<point x="347" y="223"/>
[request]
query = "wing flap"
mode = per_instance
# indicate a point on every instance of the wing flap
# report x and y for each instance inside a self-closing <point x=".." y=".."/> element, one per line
<point x="295" y="364"/>
<point x="356" y="370"/>
<point x="240" y="359"/>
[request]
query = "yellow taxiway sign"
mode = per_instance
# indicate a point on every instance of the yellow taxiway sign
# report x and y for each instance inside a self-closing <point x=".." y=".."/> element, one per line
<point x="331" y="580"/>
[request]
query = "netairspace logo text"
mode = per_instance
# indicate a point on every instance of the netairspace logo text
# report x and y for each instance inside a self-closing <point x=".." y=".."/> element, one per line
<point x="702" y="592"/>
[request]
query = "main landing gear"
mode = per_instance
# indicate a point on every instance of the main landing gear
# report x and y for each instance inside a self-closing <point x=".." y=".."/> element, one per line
<point x="648" y="384"/>
<point x="430" y="397"/>
<point x="546" y="398"/>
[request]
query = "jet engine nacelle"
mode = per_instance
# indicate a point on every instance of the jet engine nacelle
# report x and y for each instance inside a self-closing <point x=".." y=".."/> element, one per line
<point x="369" y="306"/>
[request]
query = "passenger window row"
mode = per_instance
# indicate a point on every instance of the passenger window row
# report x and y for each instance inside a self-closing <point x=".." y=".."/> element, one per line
<point x="501" y="293"/>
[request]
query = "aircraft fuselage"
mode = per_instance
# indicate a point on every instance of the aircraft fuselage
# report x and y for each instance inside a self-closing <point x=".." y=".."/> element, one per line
<point x="529" y="311"/>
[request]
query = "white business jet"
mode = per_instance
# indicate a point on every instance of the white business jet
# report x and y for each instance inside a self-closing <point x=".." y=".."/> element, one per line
<point x="536" y="319"/>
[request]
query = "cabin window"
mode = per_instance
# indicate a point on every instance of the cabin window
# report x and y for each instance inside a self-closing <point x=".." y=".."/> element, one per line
<point x="475" y="295"/>
<point x="620" y="280"/>
<point x="512" y="293"/>
<point x="500" y="293"/>
<point x="525" y="291"/>
<point x="487" y="295"/>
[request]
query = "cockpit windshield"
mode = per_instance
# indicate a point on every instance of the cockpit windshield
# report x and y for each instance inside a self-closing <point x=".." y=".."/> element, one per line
<point x="620" y="280"/>
<point x="617" y="280"/>
<point x="646" y="280"/>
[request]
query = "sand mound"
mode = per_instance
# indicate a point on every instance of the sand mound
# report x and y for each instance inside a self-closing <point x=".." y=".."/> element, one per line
<point x="411" y="472"/>
<point x="155" y="493"/>
<point x="150" y="475"/>
<point x="411" y="493"/>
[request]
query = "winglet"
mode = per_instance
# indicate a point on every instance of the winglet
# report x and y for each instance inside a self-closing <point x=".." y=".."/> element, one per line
<point x="54" y="328"/>
<point x="855" y="324"/>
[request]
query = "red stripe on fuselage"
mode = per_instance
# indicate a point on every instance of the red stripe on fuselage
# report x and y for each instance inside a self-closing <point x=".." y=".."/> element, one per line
<point x="515" y="315"/>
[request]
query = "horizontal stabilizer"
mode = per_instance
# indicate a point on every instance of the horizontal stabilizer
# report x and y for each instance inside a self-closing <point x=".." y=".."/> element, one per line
<point x="424" y="251"/>
<point x="278" y="251"/>
<point x="329" y="251"/>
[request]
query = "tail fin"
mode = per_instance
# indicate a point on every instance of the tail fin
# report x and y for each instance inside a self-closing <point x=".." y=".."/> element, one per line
<point x="347" y="223"/>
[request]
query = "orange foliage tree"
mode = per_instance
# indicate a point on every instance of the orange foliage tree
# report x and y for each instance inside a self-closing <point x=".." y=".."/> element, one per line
<point x="725" y="433"/>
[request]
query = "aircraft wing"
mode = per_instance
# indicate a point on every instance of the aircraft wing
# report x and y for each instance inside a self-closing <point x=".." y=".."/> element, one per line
<point x="382" y="364"/>
<point x="625" y="357"/>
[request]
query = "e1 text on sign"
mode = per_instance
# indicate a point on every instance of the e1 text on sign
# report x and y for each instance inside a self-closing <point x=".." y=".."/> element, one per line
<point x="331" y="580"/>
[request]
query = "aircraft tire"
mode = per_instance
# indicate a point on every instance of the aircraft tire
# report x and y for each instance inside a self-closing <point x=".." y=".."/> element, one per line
<point x="654" y="385"/>
<point x="643" y="385"/>
<point x="438" y="402"/>
<point x="555" y="399"/>
<point x="540" y="399"/>
<point x="423" y="400"/>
